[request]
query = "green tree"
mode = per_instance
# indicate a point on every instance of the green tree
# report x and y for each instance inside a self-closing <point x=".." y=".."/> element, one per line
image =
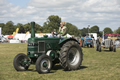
<point x="2" y="26"/>
<point x="51" y="23"/>
<point x="108" y="30"/>
<point x="72" y="29"/>
<point x="21" y="29"/>
<point x="100" y="33"/>
<point x="27" y="27"/>
<point x="9" y="28"/>
<point x="115" y="31"/>
<point x="94" y="29"/>
<point x="37" y="28"/>
<point x="118" y="31"/>
<point x="84" y="31"/>
<point x="79" y="30"/>
<point x="19" y="25"/>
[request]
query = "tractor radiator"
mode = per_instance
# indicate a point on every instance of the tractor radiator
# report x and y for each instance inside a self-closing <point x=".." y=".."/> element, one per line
<point x="107" y="43"/>
<point x="41" y="47"/>
<point x="88" y="40"/>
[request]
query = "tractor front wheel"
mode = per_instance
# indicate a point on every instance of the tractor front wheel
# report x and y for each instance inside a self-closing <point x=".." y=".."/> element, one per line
<point x="43" y="64"/>
<point x="71" y="55"/>
<point x="20" y="62"/>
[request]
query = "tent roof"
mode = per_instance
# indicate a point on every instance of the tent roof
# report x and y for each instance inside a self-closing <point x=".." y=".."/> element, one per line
<point x="10" y="36"/>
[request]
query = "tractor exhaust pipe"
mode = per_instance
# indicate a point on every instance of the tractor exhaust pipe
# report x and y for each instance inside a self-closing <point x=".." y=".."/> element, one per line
<point x="32" y="29"/>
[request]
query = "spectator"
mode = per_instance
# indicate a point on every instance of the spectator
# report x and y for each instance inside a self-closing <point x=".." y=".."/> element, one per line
<point x="86" y="36"/>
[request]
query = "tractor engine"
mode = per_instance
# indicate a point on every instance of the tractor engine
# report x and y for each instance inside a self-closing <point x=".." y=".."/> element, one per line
<point x="39" y="46"/>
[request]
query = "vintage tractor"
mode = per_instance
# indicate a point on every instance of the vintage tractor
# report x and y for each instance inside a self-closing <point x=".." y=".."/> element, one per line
<point x="45" y="52"/>
<point x="107" y="44"/>
<point x="86" y="42"/>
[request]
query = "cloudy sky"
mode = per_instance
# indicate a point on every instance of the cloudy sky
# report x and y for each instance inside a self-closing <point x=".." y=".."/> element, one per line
<point x="103" y="13"/>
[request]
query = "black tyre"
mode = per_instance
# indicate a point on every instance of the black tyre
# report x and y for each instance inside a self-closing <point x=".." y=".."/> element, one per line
<point x="92" y="45"/>
<point x="99" y="48"/>
<point x="114" y="48"/>
<point x="71" y="56"/>
<point x="43" y="64"/>
<point x="53" y="64"/>
<point x="19" y="62"/>
<point x="110" y="48"/>
<point x="88" y="45"/>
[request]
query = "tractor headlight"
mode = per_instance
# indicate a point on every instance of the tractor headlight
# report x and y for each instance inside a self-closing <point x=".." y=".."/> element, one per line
<point x="31" y="44"/>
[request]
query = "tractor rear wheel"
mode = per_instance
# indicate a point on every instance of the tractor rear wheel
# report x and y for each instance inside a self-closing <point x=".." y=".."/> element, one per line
<point x="87" y="45"/>
<point x="114" y="48"/>
<point x="43" y="64"/>
<point x="71" y="55"/>
<point x="97" y="46"/>
<point x="20" y="61"/>
<point x="92" y="45"/>
<point x="111" y="48"/>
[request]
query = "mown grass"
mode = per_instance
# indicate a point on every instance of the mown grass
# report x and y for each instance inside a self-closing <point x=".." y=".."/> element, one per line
<point x="103" y="65"/>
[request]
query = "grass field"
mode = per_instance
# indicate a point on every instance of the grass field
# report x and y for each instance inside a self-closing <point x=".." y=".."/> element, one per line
<point x="103" y="65"/>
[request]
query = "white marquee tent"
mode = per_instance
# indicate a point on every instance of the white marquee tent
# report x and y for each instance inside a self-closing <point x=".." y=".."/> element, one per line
<point x="26" y="36"/>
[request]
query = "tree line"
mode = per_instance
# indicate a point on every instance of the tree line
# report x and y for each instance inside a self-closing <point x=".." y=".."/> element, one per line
<point x="53" y="22"/>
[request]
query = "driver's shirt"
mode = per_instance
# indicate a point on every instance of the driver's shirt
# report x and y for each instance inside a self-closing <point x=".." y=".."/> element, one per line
<point x="63" y="31"/>
<point x="105" y="36"/>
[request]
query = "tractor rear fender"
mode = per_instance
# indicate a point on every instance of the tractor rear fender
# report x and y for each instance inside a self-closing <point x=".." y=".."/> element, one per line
<point x="62" y="42"/>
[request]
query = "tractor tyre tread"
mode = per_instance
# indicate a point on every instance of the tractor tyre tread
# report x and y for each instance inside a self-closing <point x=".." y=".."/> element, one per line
<point x="64" y="53"/>
<point x="16" y="62"/>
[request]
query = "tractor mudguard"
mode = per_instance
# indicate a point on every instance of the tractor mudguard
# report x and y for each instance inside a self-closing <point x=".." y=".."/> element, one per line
<point x="62" y="41"/>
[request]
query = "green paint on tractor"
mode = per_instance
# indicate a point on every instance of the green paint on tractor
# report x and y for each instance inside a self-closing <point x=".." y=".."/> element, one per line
<point x="45" y="52"/>
<point x="39" y="46"/>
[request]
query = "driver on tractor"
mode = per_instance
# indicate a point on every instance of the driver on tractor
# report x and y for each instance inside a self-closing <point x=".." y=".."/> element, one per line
<point x="62" y="30"/>
<point x="104" y="36"/>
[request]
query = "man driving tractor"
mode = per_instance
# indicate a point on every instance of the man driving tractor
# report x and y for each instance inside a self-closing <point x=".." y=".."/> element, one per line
<point x="104" y="36"/>
<point x="62" y="30"/>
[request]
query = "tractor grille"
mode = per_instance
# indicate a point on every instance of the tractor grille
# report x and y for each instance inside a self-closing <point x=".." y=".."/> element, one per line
<point x="107" y="43"/>
<point x="41" y="46"/>
<point x="88" y="40"/>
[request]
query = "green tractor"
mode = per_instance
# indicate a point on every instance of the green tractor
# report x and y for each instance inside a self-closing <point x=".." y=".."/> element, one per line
<point x="45" y="52"/>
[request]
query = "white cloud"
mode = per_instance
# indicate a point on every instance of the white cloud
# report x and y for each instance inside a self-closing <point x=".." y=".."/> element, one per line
<point x="104" y="13"/>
